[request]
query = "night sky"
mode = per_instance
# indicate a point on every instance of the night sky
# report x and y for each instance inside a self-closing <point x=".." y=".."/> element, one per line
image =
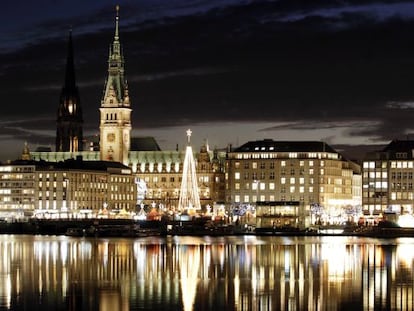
<point x="232" y="71"/>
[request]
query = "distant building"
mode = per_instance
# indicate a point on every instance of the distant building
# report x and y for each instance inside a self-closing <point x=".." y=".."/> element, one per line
<point x="73" y="188"/>
<point x="69" y="132"/>
<point x="291" y="183"/>
<point x="387" y="182"/>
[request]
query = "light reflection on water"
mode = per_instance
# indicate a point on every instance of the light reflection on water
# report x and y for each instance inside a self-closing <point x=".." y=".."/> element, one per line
<point x="206" y="273"/>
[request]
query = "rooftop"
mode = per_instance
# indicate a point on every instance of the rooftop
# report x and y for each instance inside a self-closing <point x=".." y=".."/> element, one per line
<point x="285" y="146"/>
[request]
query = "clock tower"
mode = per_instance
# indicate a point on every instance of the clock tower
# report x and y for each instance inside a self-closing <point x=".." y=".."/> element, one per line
<point x="115" y="110"/>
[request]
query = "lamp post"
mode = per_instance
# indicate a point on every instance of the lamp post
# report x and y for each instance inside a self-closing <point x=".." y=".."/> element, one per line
<point x="66" y="206"/>
<point x="257" y="182"/>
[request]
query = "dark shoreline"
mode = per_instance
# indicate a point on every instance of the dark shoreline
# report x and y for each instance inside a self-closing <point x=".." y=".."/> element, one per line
<point x="61" y="227"/>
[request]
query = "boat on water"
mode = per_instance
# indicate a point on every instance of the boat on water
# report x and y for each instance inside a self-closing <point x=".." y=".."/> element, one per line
<point x="112" y="231"/>
<point x="78" y="232"/>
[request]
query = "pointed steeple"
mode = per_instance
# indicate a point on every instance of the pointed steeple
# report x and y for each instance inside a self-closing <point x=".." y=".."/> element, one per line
<point x="116" y="45"/>
<point x="70" y="84"/>
<point x="69" y="133"/>
<point x="115" y="110"/>
<point x="116" y="79"/>
<point x="116" y="38"/>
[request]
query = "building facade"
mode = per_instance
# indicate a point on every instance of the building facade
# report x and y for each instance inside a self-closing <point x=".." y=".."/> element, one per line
<point x="162" y="171"/>
<point x="291" y="183"/>
<point x="73" y="188"/>
<point x="387" y="182"/>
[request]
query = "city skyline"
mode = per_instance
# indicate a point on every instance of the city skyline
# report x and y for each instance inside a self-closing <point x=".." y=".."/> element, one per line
<point x="232" y="71"/>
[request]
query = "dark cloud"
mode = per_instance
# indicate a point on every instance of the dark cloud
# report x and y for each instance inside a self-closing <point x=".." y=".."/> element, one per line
<point x="311" y="64"/>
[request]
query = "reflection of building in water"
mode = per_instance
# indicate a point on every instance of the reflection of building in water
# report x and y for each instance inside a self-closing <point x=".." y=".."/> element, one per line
<point x="200" y="274"/>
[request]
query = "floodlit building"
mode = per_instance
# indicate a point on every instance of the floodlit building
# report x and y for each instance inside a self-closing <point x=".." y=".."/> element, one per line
<point x="291" y="183"/>
<point x="387" y="182"/>
<point x="72" y="188"/>
<point x="162" y="173"/>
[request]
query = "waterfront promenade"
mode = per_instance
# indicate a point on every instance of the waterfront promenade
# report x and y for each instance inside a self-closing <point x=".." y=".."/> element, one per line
<point x="200" y="227"/>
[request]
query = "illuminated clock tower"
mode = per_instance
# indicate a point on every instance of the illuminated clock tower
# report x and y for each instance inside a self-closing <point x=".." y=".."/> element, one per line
<point x="69" y="137"/>
<point x="115" y="110"/>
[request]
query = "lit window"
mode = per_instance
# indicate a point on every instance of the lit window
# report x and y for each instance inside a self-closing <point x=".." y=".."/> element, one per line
<point x="237" y="175"/>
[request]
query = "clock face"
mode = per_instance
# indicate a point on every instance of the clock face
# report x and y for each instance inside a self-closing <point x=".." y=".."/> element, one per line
<point x="110" y="137"/>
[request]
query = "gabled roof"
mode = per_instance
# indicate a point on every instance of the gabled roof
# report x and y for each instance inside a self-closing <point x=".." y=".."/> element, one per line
<point x="399" y="146"/>
<point x="285" y="146"/>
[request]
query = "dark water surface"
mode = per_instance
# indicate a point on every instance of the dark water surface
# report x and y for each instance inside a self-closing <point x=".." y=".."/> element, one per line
<point x="206" y="273"/>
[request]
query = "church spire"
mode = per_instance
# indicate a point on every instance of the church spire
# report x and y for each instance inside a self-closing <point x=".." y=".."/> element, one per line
<point x="70" y="84"/>
<point x="69" y="135"/>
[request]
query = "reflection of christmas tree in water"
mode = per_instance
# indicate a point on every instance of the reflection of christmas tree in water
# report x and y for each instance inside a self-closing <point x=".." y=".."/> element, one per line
<point x="189" y="198"/>
<point x="190" y="258"/>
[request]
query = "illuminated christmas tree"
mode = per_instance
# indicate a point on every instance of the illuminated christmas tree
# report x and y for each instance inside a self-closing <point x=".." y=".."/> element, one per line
<point x="189" y="198"/>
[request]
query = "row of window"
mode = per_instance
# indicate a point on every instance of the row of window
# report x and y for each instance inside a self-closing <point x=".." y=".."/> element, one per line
<point x="25" y="169"/>
<point x="271" y="186"/>
<point x="254" y="198"/>
<point x="262" y="165"/>
<point x="383" y="164"/>
<point x="172" y="179"/>
<point x="84" y="196"/>
<point x="290" y="155"/>
<point x="384" y="175"/>
<point x="271" y="175"/>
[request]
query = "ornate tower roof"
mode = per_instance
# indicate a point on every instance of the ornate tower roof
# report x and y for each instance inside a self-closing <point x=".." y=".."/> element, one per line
<point x="116" y="87"/>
